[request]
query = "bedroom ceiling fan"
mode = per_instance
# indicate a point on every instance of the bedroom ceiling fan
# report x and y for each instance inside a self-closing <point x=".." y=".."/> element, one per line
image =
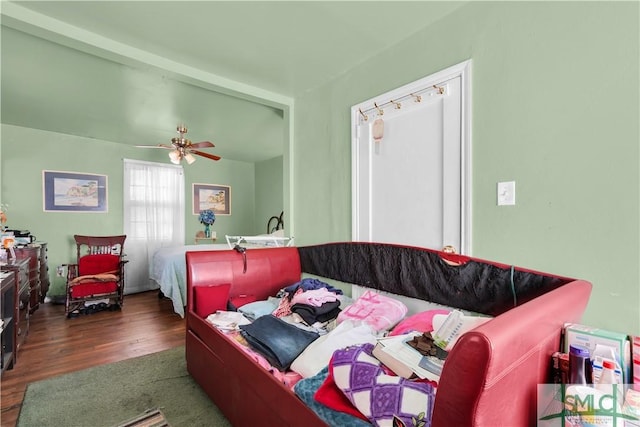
<point x="183" y="148"/>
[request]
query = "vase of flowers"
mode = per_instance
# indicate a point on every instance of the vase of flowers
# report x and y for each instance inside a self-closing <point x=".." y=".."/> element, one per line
<point x="207" y="217"/>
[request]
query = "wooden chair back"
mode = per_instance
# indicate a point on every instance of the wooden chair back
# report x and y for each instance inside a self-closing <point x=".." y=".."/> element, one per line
<point x="93" y="245"/>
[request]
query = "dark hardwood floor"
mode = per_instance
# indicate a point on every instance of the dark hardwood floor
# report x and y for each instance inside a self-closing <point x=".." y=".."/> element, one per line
<point x="56" y="345"/>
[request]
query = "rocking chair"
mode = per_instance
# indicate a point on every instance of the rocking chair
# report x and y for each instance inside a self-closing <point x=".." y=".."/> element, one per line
<point x="97" y="275"/>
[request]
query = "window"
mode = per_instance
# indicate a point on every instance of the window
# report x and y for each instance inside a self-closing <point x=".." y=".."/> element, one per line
<point x="153" y="216"/>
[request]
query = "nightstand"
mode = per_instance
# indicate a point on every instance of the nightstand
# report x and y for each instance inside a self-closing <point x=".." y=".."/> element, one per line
<point x="201" y="240"/>
<point x="205" y="240"/>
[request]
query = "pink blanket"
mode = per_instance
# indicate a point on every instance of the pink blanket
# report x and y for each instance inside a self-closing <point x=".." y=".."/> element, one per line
<point x="378" y="311"/>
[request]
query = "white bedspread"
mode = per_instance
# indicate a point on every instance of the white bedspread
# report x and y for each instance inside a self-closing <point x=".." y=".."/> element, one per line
<point x="169" y="269"/>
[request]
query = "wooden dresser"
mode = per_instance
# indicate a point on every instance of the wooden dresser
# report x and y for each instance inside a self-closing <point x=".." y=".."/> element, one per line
<point x="38" y="270"/>
<point x="23" y="301"/>
<point x="24" y="287"/>
<point x="32" y="254"/>
<point x="8" y="317"/>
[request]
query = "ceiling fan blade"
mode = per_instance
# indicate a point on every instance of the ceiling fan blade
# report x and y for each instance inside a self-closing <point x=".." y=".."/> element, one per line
<point x="207" y="155"/>
<point x="156" y="146"/>
<point x="202" y="144"/>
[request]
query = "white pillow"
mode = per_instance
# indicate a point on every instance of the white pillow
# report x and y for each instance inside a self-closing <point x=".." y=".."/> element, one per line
<point x="317" y="354"/>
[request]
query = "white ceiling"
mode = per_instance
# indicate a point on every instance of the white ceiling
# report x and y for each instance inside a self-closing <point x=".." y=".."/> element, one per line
<point x="130" y="71"/>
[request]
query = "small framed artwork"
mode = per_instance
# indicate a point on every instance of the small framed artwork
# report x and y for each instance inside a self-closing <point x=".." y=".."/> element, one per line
<point x="74" y="192"/>
<point x="212" y="196"/>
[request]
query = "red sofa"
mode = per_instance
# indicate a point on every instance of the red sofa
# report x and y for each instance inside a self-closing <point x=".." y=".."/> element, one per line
<point x="490" y="377"/>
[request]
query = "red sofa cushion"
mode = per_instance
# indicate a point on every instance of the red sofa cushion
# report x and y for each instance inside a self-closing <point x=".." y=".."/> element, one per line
<point x="209" y="299"/>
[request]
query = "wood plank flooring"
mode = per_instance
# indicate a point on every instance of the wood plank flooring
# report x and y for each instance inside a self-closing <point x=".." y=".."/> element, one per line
<point x="56" y="345"/>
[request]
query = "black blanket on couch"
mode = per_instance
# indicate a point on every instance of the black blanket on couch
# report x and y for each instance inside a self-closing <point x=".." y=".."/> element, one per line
<point x="422" y="273"/>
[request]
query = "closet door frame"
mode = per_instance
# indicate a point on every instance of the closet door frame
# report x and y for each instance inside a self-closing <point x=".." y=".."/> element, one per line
<point x="361" y="167"/>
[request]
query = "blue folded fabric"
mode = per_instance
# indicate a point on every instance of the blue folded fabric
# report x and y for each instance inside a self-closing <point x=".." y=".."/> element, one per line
<point x="306" y="388"/>
<point x="278" y="341"/>
<point x="256" y="309"/>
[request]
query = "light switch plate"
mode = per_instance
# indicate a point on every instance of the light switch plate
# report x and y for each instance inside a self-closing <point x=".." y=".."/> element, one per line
<point x="506" y="193"/>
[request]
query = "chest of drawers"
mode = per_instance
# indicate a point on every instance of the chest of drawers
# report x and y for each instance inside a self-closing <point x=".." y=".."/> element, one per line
<point x="23" y="298"/>
<point x="32" y="255"/>
<point x="8" y="317"/>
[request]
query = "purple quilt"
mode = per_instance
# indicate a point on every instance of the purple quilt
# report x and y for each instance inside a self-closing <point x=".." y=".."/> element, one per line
<point x="380" y="397"/>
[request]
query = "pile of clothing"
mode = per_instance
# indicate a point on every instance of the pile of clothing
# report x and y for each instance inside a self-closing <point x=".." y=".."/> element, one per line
<point x="302" y="314"/>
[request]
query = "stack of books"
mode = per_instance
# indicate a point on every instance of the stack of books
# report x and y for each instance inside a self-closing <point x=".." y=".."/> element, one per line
<point x="410" y="360"/>
<point x="454" y="325"/>
<point x="405" y="361"/>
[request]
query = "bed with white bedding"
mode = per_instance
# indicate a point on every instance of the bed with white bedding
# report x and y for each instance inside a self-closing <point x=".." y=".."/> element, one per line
<point x="168" y="270"/>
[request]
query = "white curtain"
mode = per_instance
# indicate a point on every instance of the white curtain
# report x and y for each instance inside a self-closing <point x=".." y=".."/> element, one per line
<point x="153" y="216"/>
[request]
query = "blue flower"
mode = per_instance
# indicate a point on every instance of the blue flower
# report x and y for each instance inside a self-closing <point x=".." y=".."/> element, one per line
<point x="207" y="217"/>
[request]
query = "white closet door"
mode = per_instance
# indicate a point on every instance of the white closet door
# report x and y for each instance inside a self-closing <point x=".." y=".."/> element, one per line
<point x="408" y="187"/>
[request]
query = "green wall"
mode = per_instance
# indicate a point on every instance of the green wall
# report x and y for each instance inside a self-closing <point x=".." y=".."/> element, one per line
<point x="269" y="195"/>
<point x="27" y="152"/>
<point x="555" y="107"/>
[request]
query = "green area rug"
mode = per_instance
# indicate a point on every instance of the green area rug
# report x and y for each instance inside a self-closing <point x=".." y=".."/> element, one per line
<point x="112" y="394"/>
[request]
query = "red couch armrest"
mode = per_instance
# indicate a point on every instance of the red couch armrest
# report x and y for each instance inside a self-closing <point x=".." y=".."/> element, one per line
<point x="491" y="375"/>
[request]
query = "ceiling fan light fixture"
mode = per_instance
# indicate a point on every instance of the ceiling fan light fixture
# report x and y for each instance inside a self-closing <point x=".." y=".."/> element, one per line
<point x="189" y="158"/>
<point x="183" y="148"/>
<point x="175" y="157"/>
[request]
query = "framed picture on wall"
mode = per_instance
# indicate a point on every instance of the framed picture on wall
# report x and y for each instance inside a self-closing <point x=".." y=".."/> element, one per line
<point x="74" y="192"/>
<point x="212" y="196"/>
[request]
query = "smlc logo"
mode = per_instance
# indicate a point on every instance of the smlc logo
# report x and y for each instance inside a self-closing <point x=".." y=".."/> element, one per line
<point x="581" y="406"/>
